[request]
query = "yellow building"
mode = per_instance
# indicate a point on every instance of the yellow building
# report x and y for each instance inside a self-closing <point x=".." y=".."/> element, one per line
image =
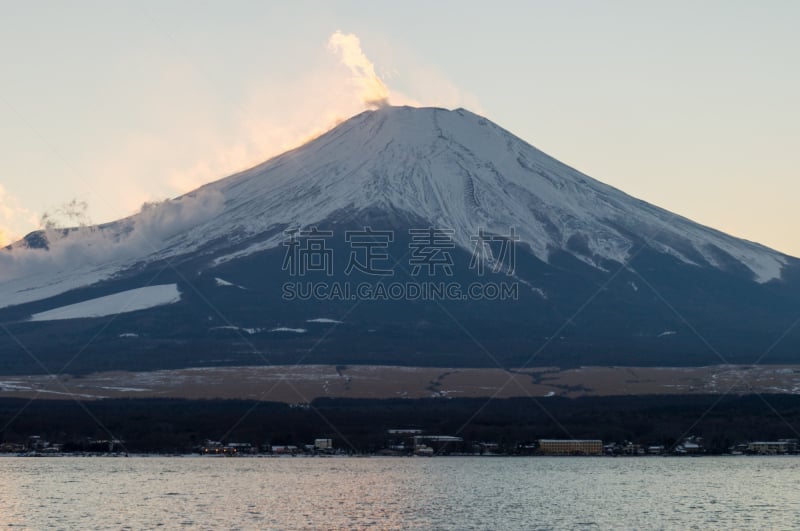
<point x="571" y="446"/>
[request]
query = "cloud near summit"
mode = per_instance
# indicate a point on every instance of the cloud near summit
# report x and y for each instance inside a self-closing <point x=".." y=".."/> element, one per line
<point x="374" y="91"/>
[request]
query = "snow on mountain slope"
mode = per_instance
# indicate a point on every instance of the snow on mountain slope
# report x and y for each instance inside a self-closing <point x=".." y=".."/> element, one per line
<point x="459" y="171"/>
<point x="454" y="169"/>
<point x="122" y="302"/>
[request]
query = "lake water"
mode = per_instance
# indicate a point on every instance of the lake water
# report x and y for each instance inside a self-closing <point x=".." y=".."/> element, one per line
<point x="400" y="493"/>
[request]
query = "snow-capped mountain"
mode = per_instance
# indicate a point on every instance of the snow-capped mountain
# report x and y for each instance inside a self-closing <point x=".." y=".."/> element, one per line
<point x="402" y="169"/>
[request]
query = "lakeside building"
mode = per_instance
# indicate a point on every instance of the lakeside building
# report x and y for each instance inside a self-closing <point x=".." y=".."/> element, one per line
<point x="436" y="444"/>
<point x="690" y="446"/>
<point x="287" y="449"/>
<point x="779" y="447"/>
<point x="570" y="446"/>
<point x="412" y="441"/>
<point x="217" y="448"/>
<point x="625" y="448"/>
<point x="323" y="444"/>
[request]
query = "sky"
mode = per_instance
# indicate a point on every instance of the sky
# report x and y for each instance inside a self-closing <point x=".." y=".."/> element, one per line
<point x="692" y="106"/>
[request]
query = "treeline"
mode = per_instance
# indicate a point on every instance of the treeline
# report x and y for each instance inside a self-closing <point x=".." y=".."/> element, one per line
<point x="360" y="426"/>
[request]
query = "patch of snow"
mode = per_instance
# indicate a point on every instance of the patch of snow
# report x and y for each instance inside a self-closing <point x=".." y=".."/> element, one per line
<point x="225" y="284"/>
<point x="323" y="320"/>
<point x="36" y="287"/>
<point x="286" y="329"/>
<point x="667" y="333"/>
<point x="12" y="386"/>
<point x="249" y="331"/>
<point x="128" y="334"/>
<point x="549" y="394"/>
<point x="123" y="302"/>
<point x="538" y="291"/>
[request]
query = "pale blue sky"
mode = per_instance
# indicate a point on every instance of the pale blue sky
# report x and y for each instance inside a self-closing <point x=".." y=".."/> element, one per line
<point x="692" y="106"/>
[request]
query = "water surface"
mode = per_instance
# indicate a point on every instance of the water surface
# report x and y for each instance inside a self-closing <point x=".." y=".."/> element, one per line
<point x="400" y="493"/>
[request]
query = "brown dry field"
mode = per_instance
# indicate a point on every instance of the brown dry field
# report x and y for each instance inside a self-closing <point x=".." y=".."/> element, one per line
<point x="303" y="383"/>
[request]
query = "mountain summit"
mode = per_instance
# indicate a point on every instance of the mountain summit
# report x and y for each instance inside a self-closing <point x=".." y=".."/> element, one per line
<point x="425" y="190"/>
<point x="459" y="170"/>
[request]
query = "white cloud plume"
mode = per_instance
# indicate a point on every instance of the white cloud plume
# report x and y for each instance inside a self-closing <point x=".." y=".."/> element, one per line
<point x="89" y="247"/>
<point x="157" y="222"/>
<point x="373" y="90"/>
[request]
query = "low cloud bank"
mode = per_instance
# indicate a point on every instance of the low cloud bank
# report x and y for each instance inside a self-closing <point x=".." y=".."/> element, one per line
<point x="91" y="246"/>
